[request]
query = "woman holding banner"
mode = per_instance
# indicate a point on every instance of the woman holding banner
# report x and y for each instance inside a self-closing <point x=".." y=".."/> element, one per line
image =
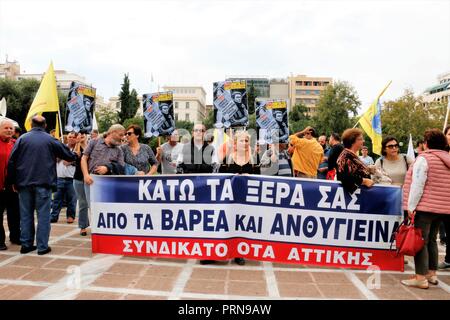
<point x="137" y="154"/>
<point x="351" y="171"/>
<point x="426" y="197"/>
<point x="394" y="164"/>
<point x="240" y="161"/>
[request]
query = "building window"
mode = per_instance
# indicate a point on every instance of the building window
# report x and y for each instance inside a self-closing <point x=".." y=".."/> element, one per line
<point x="187" y="117"/>
<point x="176" y="116"/>
<point x="187" y="105"/>
<point x="176" y="104"/>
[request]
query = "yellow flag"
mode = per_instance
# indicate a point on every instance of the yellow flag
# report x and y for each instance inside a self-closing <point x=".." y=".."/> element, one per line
<point x="57" y="128"/>
<point x="46" y="99"/>
<point x="370" y="122"/>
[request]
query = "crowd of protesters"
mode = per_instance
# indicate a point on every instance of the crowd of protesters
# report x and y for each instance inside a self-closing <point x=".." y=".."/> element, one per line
<point x="36" y="165"/>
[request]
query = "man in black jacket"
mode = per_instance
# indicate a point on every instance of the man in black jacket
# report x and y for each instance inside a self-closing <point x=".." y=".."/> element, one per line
<point x="197" y="156"/>
<point x="32" y="172"/>
<point x="336" y="149"/>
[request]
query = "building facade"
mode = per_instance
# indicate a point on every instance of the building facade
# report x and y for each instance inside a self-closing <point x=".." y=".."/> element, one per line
<point x="9" y="70"/>
<point x="439" y="92"/>
<point x="63" y="79"/>
<point x="189" y="103"/>
<point x="260" y="83"/>
<point x="279" y="89"/>
<point x="307" y="90"/>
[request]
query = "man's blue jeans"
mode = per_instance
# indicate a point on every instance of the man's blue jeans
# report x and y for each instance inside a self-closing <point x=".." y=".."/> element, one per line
<point x="39" y="199"/>
<point x="64" y="187"/>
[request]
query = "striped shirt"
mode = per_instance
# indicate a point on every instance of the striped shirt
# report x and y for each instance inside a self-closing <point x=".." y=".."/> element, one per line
<point x="280" y="168"/>
<point x="284" y="169"/>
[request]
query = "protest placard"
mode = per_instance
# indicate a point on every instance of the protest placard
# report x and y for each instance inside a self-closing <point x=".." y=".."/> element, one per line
<point x="230" y="104"/>
<point x="80" y="108"/>
<point x="272" y="120"/>
<point x="158" y="114"/>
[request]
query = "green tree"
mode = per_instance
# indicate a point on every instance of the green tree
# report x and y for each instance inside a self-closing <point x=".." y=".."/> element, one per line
<point x="134" y="103"/>
<point x="335" y="106"/>
<point x="409" y="115"/>
<point x="209" y="119"/>
<point x="252" y="121"/>
<point x="251" y="97"/>
<point x="19" y="96"/>
<point x="299" y="118"/>
<point x="135" y="120"/>
<point x="188" y="125"/>
<point x="128" y="101"/>
<point x="105" y="119"/>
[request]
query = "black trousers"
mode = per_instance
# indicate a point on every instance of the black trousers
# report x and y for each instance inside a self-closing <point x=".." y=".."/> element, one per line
<point x="9" y="200"/>
<point x="446" y="222"/>
<point x="427" y="258"/>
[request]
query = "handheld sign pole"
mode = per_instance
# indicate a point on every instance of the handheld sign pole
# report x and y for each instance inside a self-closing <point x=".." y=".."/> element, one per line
<point x="60" y="126"/>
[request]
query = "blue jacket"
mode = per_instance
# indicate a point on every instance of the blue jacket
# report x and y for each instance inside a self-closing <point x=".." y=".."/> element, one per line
<point x="33" y="159"/>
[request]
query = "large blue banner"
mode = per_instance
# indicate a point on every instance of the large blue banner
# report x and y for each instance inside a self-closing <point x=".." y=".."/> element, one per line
<point x="257" y="217"/>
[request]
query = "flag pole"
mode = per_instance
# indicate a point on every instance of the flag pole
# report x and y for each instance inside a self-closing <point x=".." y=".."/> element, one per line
<point x="379" y="96"/>
<point x="60" y="126"/>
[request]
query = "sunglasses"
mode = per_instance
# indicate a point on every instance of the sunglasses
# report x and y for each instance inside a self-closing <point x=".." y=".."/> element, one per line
<point x="199" y="130"/>
<point x="130" y="133"/>
<point x="392" y="146"/>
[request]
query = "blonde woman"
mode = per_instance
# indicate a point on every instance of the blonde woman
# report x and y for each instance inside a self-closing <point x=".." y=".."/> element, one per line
<point x="240" y="161"/>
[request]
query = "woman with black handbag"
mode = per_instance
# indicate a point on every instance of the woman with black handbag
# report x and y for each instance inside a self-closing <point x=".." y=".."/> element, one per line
<point x="426" y="197"/>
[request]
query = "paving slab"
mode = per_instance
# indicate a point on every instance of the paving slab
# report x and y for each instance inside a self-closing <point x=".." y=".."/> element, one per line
<point x="150" y="278"/>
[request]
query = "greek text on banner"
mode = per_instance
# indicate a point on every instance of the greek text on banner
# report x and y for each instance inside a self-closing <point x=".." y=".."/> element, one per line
<point x="218" y="217"/>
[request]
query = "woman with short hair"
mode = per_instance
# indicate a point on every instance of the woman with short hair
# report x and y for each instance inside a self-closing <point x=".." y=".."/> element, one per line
<point x="137" y="154"/>
<point x="351" y="171"/>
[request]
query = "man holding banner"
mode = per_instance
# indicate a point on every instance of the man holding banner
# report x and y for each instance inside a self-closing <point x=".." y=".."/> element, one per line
<point x="197" y="156"/>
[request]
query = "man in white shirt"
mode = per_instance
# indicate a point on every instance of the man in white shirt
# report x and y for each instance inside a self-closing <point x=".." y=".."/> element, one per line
<point x="65" y="171"/>
<point x="368" y="161"/>
<point x="167" y="154"/>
